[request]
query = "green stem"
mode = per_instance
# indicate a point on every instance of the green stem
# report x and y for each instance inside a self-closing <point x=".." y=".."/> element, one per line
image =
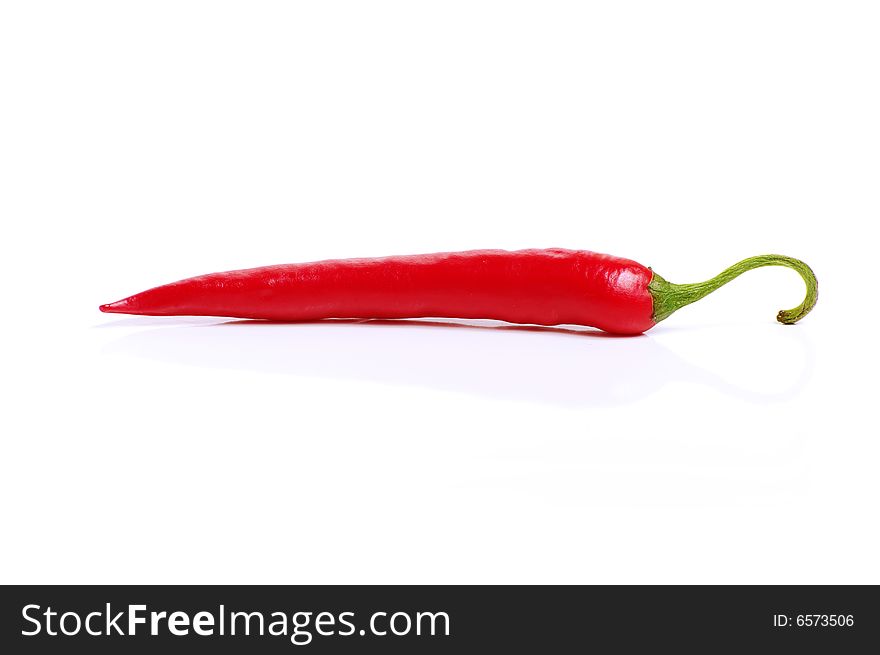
<point x="669" y="297"/>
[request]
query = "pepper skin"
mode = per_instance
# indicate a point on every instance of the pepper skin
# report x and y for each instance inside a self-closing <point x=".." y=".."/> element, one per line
<point x="543" y="287"/>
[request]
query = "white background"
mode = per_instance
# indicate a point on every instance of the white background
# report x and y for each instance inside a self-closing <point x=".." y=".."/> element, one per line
<point x="146" y="142"/>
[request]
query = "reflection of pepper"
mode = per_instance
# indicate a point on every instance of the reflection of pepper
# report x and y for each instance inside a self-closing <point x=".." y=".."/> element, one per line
<point x="542" y="287"/>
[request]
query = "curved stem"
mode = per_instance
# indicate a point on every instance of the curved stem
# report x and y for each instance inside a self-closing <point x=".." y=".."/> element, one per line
<point x="669" y="297"/>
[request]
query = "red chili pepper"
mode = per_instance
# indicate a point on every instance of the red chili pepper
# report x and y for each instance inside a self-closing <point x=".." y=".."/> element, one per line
<point x="542" y="287"/>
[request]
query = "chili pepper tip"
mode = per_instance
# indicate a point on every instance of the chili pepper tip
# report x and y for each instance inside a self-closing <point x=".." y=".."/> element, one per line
<point x="118" y="307"/>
